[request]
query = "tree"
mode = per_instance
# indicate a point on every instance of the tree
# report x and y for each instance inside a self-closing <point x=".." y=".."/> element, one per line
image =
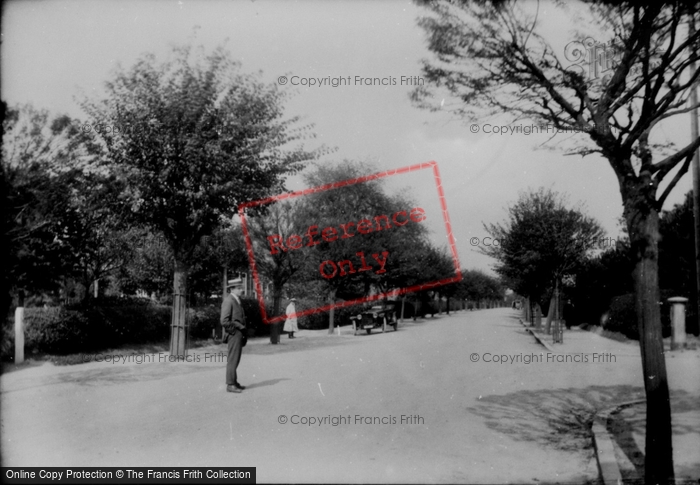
<point x="42" y="157"/>
<point x="283" y="219"/>
<point x="491" y="57"/>
<point x="193" y="137"/>
<point x="216" y="257"/>
<point x="151" y="266"/>
<point x="541" y="242"/>
<point x="101" y="236"/>
<point x="599" y="280"/>
<point x="387" y="249"/>
<point x="477" y="286"/>
<point x="425" y="265"/>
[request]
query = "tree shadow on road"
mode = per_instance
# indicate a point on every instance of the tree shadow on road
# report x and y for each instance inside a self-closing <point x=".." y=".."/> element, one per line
<point x="109" y="375"/>
<point x="558" y="418"/>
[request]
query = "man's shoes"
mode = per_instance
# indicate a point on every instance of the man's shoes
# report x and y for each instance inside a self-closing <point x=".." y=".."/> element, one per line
<point x="231" y="388"/>
<point x="239" y="386"/>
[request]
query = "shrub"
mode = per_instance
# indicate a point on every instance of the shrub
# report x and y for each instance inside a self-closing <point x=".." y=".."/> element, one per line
<point x="204" y="320"/>
<point x="129" y="323"/>
<point x="622" y="316"/>
<point x="61" y="330"/>
<point x="54" y="330"/>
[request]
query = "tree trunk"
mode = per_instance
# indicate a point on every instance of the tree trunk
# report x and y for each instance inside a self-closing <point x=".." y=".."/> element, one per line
<point x="86" y="281"/>
<point x="218" y="329"/>
<point x="178" y="329"/>
<point x="528" y="311"/>
<point x="538" y="316"/>
<point x="447" y="307"/>
<point x="224" y="282"/>
<point x="331" y="315"/>
<point x="276" y="310"/>
<point x="550" y="315"/>
<point x="403" y="306"/>
<point x="643" y="227"/>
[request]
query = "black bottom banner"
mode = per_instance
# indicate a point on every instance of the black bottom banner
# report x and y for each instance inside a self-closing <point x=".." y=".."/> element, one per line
<point x="26" y="475"/>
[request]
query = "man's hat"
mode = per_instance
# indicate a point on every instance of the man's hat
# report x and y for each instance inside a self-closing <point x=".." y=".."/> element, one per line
<point x="237" y="283"/>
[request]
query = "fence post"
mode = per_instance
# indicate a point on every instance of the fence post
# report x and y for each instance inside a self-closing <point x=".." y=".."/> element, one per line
<point x="19" y="335"/>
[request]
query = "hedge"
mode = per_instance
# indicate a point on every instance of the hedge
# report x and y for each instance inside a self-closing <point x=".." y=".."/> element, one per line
<point x="115" y="322"/>
<point x="622" y="317"/>
<point x="61" y="330"/>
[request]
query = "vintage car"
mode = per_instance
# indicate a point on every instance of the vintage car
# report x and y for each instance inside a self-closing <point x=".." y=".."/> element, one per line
<point x="379" y="316"/>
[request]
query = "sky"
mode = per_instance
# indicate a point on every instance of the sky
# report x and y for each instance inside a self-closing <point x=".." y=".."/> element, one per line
<point x="53" y="52"/>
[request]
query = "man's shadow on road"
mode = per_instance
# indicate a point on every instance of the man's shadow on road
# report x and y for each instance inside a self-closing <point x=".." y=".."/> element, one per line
<point x="269" y="382"/>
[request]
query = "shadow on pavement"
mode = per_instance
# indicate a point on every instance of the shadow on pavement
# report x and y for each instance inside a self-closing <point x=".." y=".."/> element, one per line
<point x="558" y="418"/>
<point x="630" y="422"/>
<point x="269" y="382"/>
<point x="110" y="375"/>
<point x="299" y="343"/>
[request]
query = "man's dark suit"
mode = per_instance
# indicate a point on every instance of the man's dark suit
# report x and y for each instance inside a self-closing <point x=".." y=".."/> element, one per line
<point x="233" y="322"/>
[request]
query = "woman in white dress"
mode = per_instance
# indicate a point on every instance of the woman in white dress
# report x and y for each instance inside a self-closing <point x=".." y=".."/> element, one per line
<point x="290" y="325"/>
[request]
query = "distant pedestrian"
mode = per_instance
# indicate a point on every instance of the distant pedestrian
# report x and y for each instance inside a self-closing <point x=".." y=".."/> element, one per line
<point x="234" y="325"/>
<point x="290" y="325"/>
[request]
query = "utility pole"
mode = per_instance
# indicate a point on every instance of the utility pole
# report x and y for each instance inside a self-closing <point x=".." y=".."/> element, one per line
<point x="696" y="169"/>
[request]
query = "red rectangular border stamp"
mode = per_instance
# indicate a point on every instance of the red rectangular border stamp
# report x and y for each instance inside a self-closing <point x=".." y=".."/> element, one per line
<point x="395" y="292"/>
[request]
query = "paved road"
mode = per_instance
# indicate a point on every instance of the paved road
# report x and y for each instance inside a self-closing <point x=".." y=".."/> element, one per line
<point x="469" y="421"/>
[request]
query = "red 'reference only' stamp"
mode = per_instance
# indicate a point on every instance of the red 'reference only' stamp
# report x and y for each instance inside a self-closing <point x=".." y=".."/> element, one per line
<point x="352" y="248"/>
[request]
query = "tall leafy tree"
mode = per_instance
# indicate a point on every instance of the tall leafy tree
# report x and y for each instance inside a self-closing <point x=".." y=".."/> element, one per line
<point x="101" y="242"/>
<point x="477" y="286"/>
<point x="492" y="57"/>
<point x="193" y="137"/>
<point x="218" y="256"/>
<point x="43" y="159"/>
<point x="281" y="219"/>
<point x="599" y="280"/>
<point x="386" y="247"/>
<point x="150" y="266"/>
<point x="541" y="242"/>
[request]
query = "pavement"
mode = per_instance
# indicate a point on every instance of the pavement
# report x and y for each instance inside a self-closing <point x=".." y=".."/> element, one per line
<point x="465" y="398"/>
<point x="626" y="425"/>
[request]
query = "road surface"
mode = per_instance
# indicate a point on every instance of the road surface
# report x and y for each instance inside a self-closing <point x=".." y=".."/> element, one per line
<point x="422" y="404"/>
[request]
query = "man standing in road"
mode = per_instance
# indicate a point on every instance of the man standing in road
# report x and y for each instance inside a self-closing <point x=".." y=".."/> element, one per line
<point x="233" y="323"/>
